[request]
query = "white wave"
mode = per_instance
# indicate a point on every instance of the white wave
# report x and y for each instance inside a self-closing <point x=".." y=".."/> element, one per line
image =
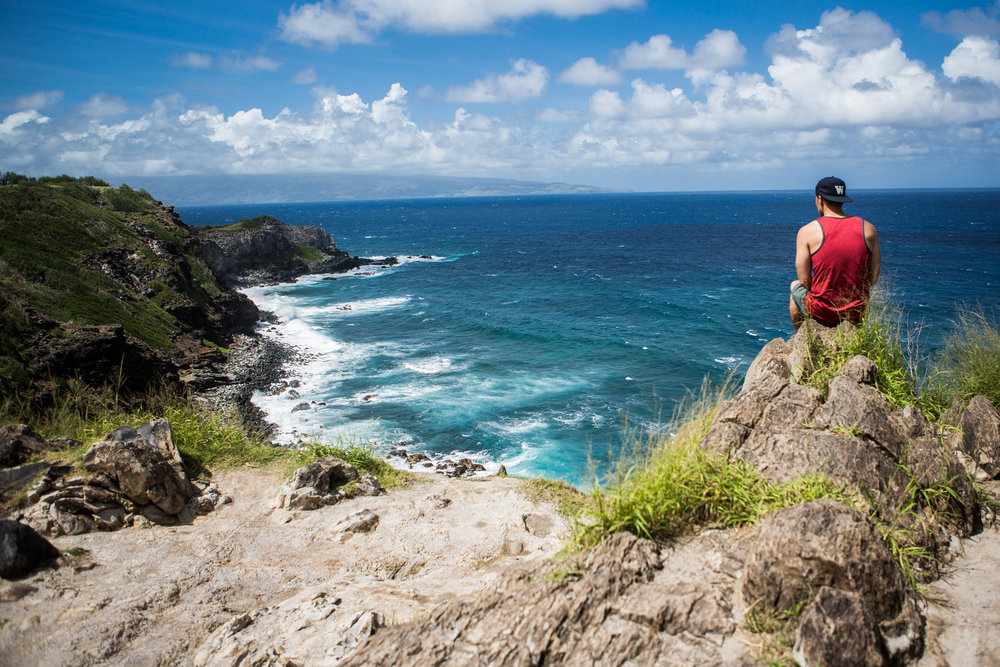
<point x="429" y="366"/>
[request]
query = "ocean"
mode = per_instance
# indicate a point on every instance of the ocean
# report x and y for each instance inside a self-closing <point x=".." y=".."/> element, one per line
<point x="534" y="331"/>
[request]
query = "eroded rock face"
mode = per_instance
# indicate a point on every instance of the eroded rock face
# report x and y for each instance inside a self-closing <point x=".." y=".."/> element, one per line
<point x="978" y="434"/>
<point x="138" y="474"/>
<point x="625" y="601"/>
<point x="854" y="437"/>
<point x="145" y="464"/>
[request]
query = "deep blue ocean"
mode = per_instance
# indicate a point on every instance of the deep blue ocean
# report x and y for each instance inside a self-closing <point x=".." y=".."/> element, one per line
<point x="529" y="331"/>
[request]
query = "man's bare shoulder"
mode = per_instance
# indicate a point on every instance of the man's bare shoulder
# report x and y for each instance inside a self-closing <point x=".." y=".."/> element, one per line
<point x="810" y="229"/>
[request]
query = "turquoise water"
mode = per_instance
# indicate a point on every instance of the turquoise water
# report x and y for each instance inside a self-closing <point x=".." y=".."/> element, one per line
<point x="527" y="331"/>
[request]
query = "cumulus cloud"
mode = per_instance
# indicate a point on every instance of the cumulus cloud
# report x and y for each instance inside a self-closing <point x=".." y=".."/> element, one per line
<point x="192" y="60"/>
<point x="103" y="106"/>
<point x="968" y="22"/>
<point x="526" y="79"/>
<point x="329" y="23"/>
<point x="974" y="58"/>
<point x="40" y="99"/>
<point x="588" y="72"/>
<point x="844" y="88"/>
<point x="719" y="49"/>
<point x="656" y="53"/>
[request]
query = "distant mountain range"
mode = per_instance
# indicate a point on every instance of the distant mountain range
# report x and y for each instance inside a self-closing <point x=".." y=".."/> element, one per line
<point x="284" y="188"/>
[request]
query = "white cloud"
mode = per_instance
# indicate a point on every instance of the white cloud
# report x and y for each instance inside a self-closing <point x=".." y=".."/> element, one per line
<point x="842" y="90"/>
<point x="249" y="63"/>
<point x="305" y="77"/>
<point x="192" y="60"/>
<point x="558" y="116"/>
<point x="526" y="79"/>
<point x="588" y="72"/>
<point x="103" y="106"/>
<point x="17" y="120"/>
<point x="975" y="57"/>
<point x="719" y="49"/>
<point x="606" y="104"/>
<point x="968" y="22"/>
<point x="657" y="53"/>
<point x="40" y="99"/>
<point x="330" y="23"/>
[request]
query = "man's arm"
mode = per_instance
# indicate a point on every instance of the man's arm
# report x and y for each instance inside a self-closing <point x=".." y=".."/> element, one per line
<point x="871" y="238"/>
<point x="803" y="256"/>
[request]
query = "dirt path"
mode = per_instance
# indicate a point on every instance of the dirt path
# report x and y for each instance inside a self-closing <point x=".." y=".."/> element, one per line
<point x="153" y="595"/>
<point x="962" y="626"/>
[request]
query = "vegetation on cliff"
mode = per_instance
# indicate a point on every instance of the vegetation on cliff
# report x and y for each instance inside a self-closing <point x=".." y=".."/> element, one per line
<point x="74" y="254"/>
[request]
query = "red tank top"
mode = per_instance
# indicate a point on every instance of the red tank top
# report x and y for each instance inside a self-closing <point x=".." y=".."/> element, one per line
<point x="840" y="272"/>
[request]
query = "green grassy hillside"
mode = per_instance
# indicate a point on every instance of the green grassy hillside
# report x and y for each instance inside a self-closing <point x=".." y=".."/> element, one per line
<point x="74" y="254"/>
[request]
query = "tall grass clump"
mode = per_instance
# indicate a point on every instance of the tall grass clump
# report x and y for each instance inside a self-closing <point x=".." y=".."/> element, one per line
<point x="969" y="364"/>
<point x="880" y="336"/>
<point x="668" y="485"/>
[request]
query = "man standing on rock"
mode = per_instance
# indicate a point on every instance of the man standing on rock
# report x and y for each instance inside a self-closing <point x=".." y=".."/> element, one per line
<point x="837" y="260"/>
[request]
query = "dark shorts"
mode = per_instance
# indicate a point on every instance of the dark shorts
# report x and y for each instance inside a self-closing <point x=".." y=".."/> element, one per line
<point x="799" y="295"/>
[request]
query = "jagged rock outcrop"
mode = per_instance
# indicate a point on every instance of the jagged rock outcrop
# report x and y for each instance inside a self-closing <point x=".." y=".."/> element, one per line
<point x="976" y="435"/>
<point x="321" y="483"/>
<point x="265" y="250"/>
<point x="138" y="474"/>
<point x="630" y="601"/>
<point x="853" y="436"/>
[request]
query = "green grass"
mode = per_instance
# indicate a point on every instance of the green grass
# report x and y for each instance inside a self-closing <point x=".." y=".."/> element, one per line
<point x="307" y="253"/>
<point x="673" y="486"/>
<point x="970" y="362"/>
<point x="879" y="337"/>
<point x="568" y="500"/>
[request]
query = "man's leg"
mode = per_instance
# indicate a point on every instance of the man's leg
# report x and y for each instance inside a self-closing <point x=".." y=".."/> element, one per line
<point x="793" y="308"/>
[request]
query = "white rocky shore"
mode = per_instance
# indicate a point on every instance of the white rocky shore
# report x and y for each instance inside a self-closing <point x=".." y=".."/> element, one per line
<point x="250" y="583"/>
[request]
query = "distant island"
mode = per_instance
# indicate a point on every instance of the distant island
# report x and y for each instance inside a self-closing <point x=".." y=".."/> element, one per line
<point x="211" y="190"/>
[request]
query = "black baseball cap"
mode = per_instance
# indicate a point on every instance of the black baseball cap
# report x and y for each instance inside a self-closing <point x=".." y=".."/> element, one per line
<point x="833" y="189"/>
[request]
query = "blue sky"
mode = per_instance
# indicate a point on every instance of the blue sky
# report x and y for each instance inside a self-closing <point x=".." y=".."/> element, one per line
<point x="617" y="93"/>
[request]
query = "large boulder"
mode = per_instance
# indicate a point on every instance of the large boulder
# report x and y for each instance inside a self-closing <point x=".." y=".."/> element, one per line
<point x="145" y="464"/>
<point x="22" y="549"/>
<point x="802" y="551"/>
<point x="137" y="474"/>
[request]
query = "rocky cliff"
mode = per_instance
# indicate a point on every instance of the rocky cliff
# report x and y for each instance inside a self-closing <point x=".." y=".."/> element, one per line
<point x="265" y="250"/>
<point x="110" y="287"/>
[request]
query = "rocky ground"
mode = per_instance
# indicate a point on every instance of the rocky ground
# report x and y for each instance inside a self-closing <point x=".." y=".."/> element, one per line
<point x="253" y="584"/>
<point x="304" y="585"/>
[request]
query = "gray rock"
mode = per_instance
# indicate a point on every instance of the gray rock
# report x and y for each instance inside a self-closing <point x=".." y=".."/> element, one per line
<point x="860" y="369"/>
<point x="979" y="425"/>
<point x="145" y="464"/>
<point x="364" y="521"/>
<point x="836" y="629"/>
<point x="861" y="407"/>
<point x="22" y="549"/>
<point x="317" y="484"/>
<point x="827" y="544"/>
